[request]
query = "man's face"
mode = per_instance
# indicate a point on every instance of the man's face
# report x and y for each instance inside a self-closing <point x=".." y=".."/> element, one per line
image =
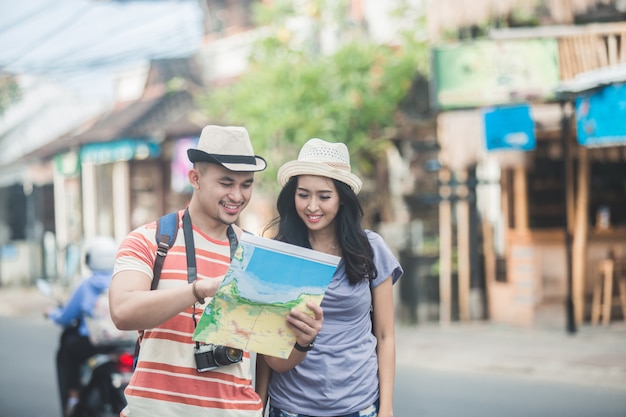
<point x="223" y="194"/>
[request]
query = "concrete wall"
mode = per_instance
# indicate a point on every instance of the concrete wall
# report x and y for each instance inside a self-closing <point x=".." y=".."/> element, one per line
<point x="20" y="263"/>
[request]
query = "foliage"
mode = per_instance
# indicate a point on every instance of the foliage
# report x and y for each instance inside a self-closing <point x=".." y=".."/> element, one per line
<point x="9" y="92"/>
<point x="292" y="91"/>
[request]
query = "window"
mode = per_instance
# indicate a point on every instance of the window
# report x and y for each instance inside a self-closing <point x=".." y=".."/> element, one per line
<point x="546" y="187"/>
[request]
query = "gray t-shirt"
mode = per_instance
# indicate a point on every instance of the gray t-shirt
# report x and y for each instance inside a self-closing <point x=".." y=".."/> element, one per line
<point x="340" y="375"/>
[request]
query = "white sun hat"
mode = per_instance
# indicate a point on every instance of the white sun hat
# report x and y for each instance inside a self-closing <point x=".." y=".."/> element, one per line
<point x="229" y="146"/>
<point x="322" y="158"/>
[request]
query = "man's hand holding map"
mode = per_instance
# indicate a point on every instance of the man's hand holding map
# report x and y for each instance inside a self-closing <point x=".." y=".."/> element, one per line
<point x="266" y="279"/>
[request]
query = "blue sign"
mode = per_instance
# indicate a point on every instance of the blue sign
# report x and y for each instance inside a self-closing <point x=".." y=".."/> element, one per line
<point x="509" y="128"/>
<point x="601" y="117"/>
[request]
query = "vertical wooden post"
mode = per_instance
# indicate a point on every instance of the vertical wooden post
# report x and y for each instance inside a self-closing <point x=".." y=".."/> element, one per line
<point x="463" y="249"/>
<point x="607" y="293"/>
<point x="60" y="220"/>
<point x="505" y="197"/>
<point x="445" y="249"/>
<point x="121" y="199"/>
<point x="490" y="263"/>
<point x="520" y="209"/>
<point x="579" y="251"/>
<point x="89" y="200"/>
<point x="596" y="302"/>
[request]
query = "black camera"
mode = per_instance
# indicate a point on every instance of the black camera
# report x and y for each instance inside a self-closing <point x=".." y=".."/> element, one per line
<point x="213" y="356"/>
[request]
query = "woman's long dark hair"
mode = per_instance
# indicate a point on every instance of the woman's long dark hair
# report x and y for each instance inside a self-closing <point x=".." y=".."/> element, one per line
<point x="356" y="251"/>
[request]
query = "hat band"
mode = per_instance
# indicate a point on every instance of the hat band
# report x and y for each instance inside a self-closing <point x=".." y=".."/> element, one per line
<point x="342" y="166"/>
<point x="234" y="159"/>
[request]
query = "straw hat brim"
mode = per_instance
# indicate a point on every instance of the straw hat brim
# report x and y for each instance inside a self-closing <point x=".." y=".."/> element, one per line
<point x="294" y="168"/>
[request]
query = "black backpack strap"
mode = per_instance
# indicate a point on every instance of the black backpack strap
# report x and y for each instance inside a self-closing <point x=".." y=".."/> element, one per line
<point x="232" y="239"/>
<point x="166" y="231"/>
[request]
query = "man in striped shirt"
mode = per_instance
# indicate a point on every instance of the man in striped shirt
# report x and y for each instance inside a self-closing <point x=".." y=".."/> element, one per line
<point x="166" y="381"/>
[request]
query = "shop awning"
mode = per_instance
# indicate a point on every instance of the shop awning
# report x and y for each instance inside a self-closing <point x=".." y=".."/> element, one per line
<point x="119" y="150"/>
<point x="599" y="97"/>
<point x="591" y="80"/>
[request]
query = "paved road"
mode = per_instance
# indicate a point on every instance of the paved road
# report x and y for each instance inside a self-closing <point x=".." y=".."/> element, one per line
<point x="471" y="369"/>
<point x="27" y="372"/>
<point x="29" y="388"/>
<point x="593" y="356"/>
<point x="436" y="393"/>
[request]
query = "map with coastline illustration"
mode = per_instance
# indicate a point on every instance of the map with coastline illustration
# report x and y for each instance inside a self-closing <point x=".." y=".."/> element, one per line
<point x="266" y="279"/>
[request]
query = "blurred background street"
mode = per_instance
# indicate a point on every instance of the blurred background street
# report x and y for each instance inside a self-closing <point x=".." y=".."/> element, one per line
<point x="470" y="369"/>
<point x="489" y="135"/>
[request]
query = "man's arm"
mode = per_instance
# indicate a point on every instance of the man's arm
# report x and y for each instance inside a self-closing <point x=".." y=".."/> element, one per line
<point x="135" y="307"/>
<point x="262" y="379"/>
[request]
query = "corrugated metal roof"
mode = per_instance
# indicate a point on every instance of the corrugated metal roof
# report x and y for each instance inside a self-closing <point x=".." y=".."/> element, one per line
<point x="163" y="110"/>
<point x="454" y="14"/>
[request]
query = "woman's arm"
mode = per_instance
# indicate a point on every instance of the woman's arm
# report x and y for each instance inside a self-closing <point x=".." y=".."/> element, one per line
<point x="382" y="299"/>
<point x="306" y="329"/>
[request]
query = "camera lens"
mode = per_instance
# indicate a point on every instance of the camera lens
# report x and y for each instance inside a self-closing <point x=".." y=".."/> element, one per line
<point x="234" y="355"/>
<point x="225" y="355"/>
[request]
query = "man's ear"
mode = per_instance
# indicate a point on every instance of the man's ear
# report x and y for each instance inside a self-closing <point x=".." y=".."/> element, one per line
<point x="194" y="178"/>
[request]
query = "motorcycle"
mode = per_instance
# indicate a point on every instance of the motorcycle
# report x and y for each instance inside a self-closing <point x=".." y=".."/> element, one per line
<point x="103" y="379"/>
<point x="103" y="375"/>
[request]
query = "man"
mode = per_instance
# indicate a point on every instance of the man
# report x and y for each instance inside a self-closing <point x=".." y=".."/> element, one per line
<point x="166" y="381"/>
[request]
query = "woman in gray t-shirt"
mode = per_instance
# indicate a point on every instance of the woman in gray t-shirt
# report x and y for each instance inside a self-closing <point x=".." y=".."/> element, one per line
<point x="349" y="369"/>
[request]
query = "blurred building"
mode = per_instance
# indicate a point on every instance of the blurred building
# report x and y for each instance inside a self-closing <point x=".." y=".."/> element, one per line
<point x="44" y="111"/>
<point x="495" y="208"/>
<point x="510" y="147"/>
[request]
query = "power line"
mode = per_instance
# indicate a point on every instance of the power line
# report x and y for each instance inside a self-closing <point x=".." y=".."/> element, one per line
<point x="115" y="32"/>
<point x="26" y="17"/>
<point x="168" y="46"/>
<point x="56" y="31"/>
<point x="101" y="55"/>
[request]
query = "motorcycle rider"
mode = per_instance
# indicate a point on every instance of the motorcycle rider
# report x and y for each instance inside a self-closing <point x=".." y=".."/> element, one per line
<point x="75" y="346"/>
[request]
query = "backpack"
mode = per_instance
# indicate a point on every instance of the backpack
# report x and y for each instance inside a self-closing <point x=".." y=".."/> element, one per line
<point x="102" y="330"/>
<point x="166" y="231"/>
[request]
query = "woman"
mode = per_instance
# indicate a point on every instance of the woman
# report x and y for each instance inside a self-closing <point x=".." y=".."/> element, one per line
<point x="349" y="368"/>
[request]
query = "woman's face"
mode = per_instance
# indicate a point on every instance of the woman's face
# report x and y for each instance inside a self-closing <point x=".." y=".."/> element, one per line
<point x="317" y="202"/>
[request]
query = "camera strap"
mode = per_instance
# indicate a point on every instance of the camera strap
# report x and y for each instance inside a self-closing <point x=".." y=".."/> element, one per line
<point x="190" y="250"/>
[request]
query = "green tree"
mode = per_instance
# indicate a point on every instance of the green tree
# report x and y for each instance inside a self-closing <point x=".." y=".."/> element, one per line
<point x="9" y="92"/>
<point x="292" y="92"/>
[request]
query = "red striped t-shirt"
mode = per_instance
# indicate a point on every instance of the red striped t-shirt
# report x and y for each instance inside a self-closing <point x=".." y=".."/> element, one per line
<point x="166" y="382"/>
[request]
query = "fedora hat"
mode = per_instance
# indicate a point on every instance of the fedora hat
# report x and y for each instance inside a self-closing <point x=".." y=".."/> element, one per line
<point x="322" y="158"/>
<point x="228" y="146"/>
